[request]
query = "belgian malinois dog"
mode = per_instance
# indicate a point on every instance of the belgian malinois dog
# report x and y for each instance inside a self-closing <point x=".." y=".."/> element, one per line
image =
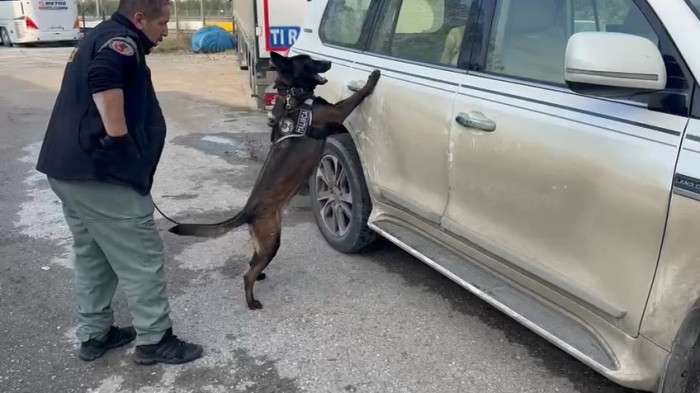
<point x="300" y="124"/>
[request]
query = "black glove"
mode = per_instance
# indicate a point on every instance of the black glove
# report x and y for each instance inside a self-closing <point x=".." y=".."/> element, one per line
<point x="115" y="150"/>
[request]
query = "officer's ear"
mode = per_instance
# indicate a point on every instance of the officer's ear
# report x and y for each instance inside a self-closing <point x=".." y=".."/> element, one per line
<point x="139" y="20"/>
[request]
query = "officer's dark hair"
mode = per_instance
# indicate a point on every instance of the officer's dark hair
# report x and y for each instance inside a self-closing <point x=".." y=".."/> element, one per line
<point x="150" y="8"/>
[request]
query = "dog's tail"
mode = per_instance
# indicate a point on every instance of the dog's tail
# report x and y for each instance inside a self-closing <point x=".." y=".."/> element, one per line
<point x="211" y="230"/>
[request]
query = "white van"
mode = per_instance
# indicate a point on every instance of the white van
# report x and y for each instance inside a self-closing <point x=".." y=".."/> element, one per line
<point x="34" y="21"/>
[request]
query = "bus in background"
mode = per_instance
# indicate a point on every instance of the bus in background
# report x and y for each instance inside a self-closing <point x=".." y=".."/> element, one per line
<point x="36" y="21"/>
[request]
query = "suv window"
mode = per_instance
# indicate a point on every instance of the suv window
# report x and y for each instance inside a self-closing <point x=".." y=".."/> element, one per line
<point x="428" y="31"/>
<point x="529" y="38"/>
<point x="695" y="5"/>
<point x="343" y="21"/>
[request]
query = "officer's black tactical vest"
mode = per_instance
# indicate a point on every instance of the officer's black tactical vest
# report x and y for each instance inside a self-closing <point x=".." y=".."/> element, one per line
<point x="75" y="127"/>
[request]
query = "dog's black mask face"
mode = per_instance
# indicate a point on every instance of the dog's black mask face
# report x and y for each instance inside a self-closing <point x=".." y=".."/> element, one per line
<point x="299" y="71"/>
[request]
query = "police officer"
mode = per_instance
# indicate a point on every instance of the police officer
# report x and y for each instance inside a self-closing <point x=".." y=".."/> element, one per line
<point x="101" y="149"/>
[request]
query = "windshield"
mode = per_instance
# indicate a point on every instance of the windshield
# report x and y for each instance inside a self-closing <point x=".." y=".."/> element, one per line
<point x="695" y="5"/>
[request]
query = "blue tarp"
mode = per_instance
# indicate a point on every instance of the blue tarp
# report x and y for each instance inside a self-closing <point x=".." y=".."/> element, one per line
<point x="212" y="39"/>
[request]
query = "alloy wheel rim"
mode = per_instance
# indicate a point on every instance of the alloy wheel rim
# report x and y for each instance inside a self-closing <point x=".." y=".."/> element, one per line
<point x="334" y="195"/>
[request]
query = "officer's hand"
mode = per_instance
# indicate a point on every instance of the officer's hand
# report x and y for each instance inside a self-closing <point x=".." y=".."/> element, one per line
<point x="114" y="150"/>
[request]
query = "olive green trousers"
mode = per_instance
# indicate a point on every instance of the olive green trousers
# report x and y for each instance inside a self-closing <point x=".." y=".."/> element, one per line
<point x="115" y="240"/>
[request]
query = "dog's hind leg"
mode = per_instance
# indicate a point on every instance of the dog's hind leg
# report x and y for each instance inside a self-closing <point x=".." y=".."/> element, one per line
<point x="261" y="276"/>
<point x="266" y="233"/>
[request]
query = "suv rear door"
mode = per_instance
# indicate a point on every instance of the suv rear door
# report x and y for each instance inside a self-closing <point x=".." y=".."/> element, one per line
<point x="572" y="191"/>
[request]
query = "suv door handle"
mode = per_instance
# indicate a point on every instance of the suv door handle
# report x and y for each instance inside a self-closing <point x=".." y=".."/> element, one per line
<point x="356" y="86"/>
<point x="476" y="120"/>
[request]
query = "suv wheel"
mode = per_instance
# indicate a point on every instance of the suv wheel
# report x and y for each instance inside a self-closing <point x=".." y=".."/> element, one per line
<point x="683" y="367"/>
<point x="340" y="199"/>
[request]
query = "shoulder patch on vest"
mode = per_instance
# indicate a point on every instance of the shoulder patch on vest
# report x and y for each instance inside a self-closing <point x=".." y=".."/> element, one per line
<point x="125" y="46"/>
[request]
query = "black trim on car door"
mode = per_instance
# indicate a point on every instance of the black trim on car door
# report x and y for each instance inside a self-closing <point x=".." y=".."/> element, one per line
<point x="692" y="7"/>
<point x="481" y="30"/>
<point x="677" y="97"/>
<point x="370" y="25"/>
<point x="474" y="37"/>
<point x="695" y="112"/>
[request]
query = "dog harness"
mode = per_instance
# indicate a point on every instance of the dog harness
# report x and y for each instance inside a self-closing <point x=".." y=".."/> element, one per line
<point x="298" y="116"/>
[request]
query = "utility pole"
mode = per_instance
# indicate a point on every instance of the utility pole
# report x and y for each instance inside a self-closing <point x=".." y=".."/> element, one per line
<point x="201" y="7"/>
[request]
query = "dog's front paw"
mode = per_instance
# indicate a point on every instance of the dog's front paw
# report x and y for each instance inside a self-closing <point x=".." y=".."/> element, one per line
<point x="373" y="80"/>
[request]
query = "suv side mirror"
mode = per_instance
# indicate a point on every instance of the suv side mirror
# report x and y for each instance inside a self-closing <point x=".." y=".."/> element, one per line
<point x="613" y="64"/>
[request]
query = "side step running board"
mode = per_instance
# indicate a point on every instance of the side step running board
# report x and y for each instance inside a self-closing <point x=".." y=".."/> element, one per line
<point x="560" y="330"/>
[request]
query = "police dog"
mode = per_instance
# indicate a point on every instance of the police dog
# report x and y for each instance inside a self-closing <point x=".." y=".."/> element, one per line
<point x="292" y="159"/>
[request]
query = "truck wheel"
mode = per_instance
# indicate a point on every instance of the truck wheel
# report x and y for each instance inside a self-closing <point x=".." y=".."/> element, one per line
<point x="340" y="199"/>
<point x="252" y="79"/>
<point x="5" y="37"/>
<point x="242" y="54"/>
<point x="683" y="366"/>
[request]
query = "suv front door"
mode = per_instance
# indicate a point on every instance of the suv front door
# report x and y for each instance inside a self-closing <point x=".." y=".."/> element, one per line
<point x="404" y="132"/>
<point x="570" y="191"/>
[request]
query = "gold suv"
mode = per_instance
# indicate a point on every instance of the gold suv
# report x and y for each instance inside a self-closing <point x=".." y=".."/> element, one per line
<point x="544" y="154"/>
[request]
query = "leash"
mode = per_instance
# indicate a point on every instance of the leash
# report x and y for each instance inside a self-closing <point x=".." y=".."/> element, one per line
<point x="164" y="215"/>
<point x="294" y="97"/>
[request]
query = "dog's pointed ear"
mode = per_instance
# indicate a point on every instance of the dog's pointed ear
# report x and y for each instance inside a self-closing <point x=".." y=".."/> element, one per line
<point x="322" y="66"/>
<point x="280" y="62"/>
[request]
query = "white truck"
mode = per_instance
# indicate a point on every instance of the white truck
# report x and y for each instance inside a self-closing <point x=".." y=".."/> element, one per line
<point x="263" y="26"/>
<point x="34" y="21"/>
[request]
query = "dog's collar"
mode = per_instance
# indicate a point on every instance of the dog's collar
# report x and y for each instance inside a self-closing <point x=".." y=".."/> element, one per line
<point x="295" y="91"/>
<point x="294" y="96"/>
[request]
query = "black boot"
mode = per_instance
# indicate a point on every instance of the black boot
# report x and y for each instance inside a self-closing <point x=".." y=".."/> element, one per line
<point x="94" y="349"/>
<point x="170" y="350"/>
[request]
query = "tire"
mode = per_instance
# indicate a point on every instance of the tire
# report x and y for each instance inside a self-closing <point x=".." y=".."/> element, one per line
<point x="242" y="53"/>
<point x="5" y="37"/>
<point x="252" y="78"/>
<point x="255" y="88"/>
<point x="342" y="209"/>
<point x="683" y="367"/>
